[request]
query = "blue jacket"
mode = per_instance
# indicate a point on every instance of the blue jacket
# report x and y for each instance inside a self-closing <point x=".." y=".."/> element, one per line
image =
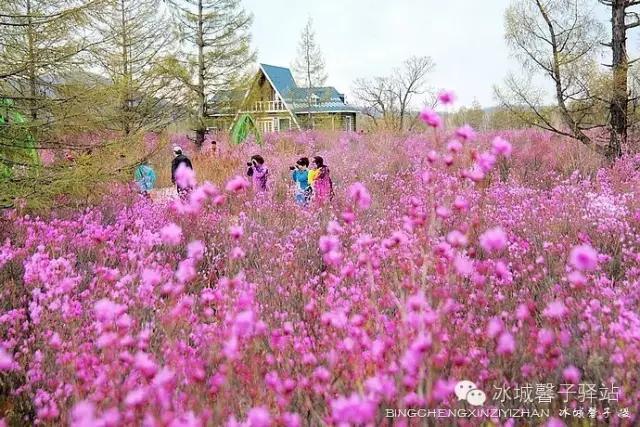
<point x="145" y="177"/>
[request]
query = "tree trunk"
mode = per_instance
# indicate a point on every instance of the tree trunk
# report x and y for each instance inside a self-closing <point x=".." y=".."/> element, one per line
<point x="309" y="119"/>
<point x="125" y="73"/>
<point x="619" y="95"/>
<point x="33" y="83"/>
<point x="202" y="100"/>
<point x="559" y="90"/>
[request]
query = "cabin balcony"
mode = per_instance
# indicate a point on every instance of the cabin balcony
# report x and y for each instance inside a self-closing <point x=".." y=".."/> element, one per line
<point x="268" y="106"/>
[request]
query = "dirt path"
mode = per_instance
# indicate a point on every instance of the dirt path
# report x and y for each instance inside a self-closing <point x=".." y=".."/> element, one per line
<point x="163" y="194"/>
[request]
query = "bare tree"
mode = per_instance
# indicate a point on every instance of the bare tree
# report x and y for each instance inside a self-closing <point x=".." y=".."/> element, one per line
<point x="309" y="65"/>
<point x="388" y="99"/>
<point x="558" y="40"/>
<point x="377" y="101"/>
<point x="215" y="36"/>
<point x="408" y="81"/>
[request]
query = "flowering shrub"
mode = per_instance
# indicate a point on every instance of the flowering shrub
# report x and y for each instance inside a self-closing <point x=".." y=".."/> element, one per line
<point x="240" y="308"/>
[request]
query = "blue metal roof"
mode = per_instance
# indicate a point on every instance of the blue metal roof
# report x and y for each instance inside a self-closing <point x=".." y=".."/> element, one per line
<point x="280" y="77"/>
<point x="323" y="93"/>
<point x="328" y="98"/>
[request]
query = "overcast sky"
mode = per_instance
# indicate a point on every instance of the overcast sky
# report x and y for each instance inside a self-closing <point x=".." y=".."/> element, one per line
<point x="365" y="38"/>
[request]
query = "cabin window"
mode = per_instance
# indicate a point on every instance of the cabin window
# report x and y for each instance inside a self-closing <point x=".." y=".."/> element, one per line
<point x="285" y="124"/>
<point x="266" y="125"/>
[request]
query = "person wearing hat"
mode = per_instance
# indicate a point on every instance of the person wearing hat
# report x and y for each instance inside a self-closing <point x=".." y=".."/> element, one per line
<point x="179" y="159"/>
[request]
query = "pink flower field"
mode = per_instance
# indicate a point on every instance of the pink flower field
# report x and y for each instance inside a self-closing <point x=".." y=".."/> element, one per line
<point x="509" y="260"/>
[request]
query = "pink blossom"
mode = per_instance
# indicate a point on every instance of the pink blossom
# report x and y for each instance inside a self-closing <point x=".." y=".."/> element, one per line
<point x="431" y="118"/>
<point x="571" y="374"/>
<point x="333" y="227"/>
<point x="554" y="422"/>
<point x="185" y="176"/>
<point x="577" y="278"/>
<point x="55" y="341"/>
<point x="584" y="258"/>
<point x="522" y="312"/>
<point x="136" y="397"/>
<point x="237" y="253"/>
<point x="460" y="203"/>
<point x="454" y="146"/>
<point x="353" y="409"/>
<point x="495" y="327"/>
<point x="244" y="323"/>
<point x="83" y="414"/>
<point x="290" y="419"/>
<point x="501" y="146"/>
<point x="506" y="344"/>
<point x="236" y="184"/>
<point x="171" y="234"/>
<point x="457" y="239"/>
<point x="466" y="132"/>
<point x="235" y="231"/>
<point x="485" y="162"/>
<point x="463" y="265"/>
<point x="493" y="240"/>
<point x="6" y="361"/>
<point x="545" y="337"/>
<point x="555" y="310"/>
<point x="359" y="194"/>
<point x="186" y="271"/>
<point x="151" y="277"/>
<point x="107" y="310"/>
<point x="195" y="250"/>
<point x="259" y="417"/>
<point x="328" y="243"/>
<point x="144" y="364"/>
<point x="447" y="97"/>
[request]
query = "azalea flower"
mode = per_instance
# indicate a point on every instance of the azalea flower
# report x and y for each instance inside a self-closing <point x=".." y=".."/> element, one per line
<point x="583" y="258"/>
<point x="493" y="240"/>
<point x="431" y="118"/>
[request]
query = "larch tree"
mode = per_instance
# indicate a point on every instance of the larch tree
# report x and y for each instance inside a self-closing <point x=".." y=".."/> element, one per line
<point x="50" y="142"/>
<point x="40" y="40"/>
<point x="215" y="36"/>
<point x="136" y="43"/>
<point x="309" y="66"/>
<point x="619" y="98"/>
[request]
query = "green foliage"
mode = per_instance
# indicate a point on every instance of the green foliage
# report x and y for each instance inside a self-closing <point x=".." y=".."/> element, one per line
<point x="215" y="41"/>
<point x="474" y="116"/>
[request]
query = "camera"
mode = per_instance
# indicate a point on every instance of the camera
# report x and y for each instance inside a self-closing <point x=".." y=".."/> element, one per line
<point x="292" y="168"/>
<point x="249" y="164"/>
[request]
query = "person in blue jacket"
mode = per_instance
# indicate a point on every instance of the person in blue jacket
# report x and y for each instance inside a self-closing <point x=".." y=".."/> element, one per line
<point x="145" y="177"/>
<point x="300" y="176"/>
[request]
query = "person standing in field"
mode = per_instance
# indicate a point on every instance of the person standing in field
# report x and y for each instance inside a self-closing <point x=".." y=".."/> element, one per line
<point x="258" y="172"/>
<point x="145" y="177"/>
<point x="320" y="180"/>
<point x="179" y="159"/>
<point x="300" y="176"/>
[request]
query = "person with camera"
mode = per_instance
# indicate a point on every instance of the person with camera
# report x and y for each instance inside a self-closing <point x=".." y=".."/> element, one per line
<point x="300" y="176"/>
<point x="258" y="172"/>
